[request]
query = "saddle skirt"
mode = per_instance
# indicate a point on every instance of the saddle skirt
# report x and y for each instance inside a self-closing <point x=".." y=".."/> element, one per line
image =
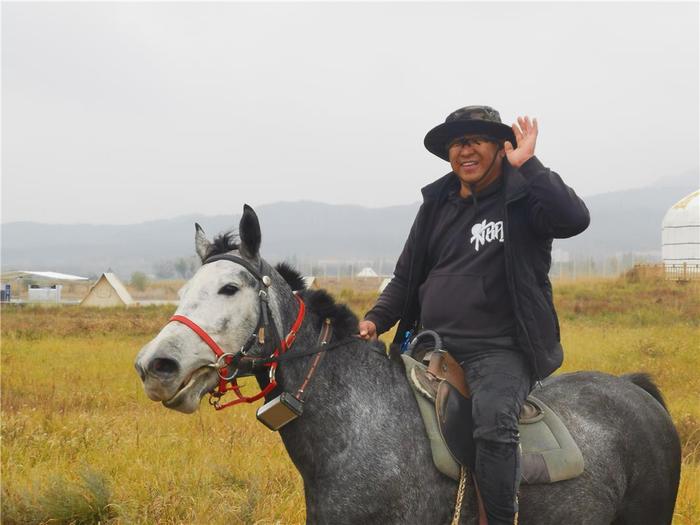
<point x="548" y="452"/>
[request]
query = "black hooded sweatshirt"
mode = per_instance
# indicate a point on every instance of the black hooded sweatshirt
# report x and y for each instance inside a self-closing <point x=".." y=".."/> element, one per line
<point x="465" y="294"/>
<point x="537" y="207"/>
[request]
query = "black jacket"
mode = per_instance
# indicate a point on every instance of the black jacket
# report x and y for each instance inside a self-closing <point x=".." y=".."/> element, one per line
<point x="538" y="208"/>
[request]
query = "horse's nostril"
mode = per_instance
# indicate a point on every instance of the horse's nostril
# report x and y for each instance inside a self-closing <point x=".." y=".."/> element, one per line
<point x="163" y="366"/>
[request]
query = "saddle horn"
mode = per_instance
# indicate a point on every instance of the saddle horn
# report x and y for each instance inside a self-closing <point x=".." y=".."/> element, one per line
<point x="422" y="335"/>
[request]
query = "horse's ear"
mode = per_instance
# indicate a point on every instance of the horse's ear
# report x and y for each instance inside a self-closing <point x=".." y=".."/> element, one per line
<point x="249" y="232"/>
<point x="201" y="243"/>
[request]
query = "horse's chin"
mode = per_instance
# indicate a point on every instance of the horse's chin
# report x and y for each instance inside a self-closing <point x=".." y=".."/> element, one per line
<point x="187" y="399"/>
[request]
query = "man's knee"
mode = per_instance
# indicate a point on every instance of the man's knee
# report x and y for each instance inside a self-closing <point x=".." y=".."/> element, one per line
<point x="495" y="422"/>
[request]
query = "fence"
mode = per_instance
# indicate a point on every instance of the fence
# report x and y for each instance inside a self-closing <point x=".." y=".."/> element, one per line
<point x="671" y="272"/>
<point x="682" y="272"/>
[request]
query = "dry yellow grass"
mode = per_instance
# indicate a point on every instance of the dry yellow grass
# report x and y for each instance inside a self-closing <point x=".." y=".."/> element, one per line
<point x="81" y="443"/>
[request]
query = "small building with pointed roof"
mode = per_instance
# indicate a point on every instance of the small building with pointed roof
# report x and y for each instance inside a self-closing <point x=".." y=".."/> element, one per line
<point x="367" y="272"/>
<point x="107" y="291"/>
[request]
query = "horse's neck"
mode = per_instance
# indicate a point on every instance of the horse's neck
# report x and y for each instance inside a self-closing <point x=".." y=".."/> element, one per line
<point x="360" y="427"/>
<point x="339" y="399"/>
<point x="291" y="375"/>
<point x="349" y="383"/>
<point x="292" y="372"/>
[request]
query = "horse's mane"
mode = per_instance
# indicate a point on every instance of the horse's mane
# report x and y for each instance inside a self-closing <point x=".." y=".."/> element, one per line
<point x="223" y="243"/>
<point x="321" y="303"/>
<point x="291" y="275"/>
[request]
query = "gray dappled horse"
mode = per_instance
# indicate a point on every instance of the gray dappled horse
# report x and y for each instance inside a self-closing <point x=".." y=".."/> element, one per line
<point x="360" y="445"/>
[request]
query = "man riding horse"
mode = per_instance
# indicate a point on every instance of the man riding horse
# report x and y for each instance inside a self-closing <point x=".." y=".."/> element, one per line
<point x="475" y="269"/>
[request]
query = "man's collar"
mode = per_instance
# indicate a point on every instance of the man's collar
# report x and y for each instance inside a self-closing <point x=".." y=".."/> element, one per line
<point x="512" y="178"/>
<point x="454" y="193"/>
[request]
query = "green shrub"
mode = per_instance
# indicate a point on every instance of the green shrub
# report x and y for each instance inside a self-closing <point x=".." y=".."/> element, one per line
<point x="61" y="501"/>
<point x="139" y="281"/>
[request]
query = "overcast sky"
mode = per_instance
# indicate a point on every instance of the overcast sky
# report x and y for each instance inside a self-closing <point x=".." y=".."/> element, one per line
<point x="125" y="112"/>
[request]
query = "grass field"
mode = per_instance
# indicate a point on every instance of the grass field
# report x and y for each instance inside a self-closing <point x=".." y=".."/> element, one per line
<point x="82" y="444"/>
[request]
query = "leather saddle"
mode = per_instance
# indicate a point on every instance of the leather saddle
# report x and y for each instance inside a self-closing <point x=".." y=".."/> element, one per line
<point x="549" y="453"/>
<point x="444" y="384"/>
<point x="443" y="367"/>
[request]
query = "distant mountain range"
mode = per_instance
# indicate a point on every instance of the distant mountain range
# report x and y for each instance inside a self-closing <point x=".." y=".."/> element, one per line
<point x="630" y="220"/>
<point x="308" y="232"/>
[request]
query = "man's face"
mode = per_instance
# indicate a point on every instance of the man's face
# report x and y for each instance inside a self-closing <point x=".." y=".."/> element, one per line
<point x="472" y="155"/>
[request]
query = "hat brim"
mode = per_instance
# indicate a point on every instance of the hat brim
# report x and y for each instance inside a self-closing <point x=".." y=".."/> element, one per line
<point x="440" y="136"/>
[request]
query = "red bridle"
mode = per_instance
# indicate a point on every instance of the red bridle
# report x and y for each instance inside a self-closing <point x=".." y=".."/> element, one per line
<point x="228" y="382"/>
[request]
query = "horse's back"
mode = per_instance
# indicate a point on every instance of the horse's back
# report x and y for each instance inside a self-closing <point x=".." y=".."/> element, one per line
<point x="630" y="447"/>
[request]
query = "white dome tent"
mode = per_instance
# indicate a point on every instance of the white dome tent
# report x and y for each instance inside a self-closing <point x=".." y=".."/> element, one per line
<point x="680" y="238"/>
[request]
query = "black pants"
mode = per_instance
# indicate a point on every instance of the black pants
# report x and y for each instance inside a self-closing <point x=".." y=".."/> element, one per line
<point x="500" y="380"/>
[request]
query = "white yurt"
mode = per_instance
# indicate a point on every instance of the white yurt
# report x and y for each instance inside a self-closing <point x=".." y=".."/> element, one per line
<point x="680" y="235"/>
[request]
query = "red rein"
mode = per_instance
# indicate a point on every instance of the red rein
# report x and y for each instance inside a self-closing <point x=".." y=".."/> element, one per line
<point x="227" y="385"/>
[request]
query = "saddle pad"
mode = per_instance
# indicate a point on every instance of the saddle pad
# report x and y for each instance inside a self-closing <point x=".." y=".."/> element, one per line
<point x="548" y="451"/>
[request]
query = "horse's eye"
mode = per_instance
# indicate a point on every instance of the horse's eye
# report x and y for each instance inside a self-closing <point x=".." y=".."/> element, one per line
<point x="228" y="289"/>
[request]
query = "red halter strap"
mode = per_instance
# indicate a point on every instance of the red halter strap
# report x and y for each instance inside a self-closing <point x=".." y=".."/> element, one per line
<point x="229" y="383"/>
<point x="200" y="332"/>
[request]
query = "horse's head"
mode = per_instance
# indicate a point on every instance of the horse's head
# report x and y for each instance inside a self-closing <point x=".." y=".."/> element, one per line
<point x="177" y="367"/>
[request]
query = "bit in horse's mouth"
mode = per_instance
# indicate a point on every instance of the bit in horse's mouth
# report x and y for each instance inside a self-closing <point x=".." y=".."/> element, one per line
<point x="186" y="381"/>
<point x="198" y="376"/>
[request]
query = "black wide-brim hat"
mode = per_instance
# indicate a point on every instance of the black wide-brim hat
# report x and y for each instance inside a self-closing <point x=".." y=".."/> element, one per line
<point x="482" y="120"/>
